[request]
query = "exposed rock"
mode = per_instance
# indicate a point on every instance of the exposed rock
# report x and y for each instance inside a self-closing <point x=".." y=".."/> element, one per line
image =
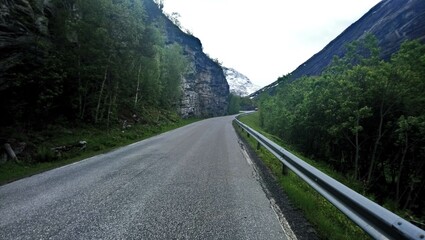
<point x="81" y="145"/>
<point x="205" y="89"/>
<point x="391" y="21"/>
<point x="21" y="24"/>
<point x="25" y="23"/>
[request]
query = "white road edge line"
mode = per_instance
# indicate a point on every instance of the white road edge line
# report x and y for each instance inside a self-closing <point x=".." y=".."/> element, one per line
<point x="286" y="228"/>
<point x="290" y="235"/>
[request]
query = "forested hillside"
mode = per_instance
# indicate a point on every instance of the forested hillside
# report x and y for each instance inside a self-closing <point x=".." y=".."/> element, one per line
<point x="391" y="21"/>
<point x="97" y="60"/>
<point x="364" y="117"/>
<point x="100" y="61"/>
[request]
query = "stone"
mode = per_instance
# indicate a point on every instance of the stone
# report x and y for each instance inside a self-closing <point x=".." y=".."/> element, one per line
<point x="22" y="23"/>
<point x="205" y="88"/>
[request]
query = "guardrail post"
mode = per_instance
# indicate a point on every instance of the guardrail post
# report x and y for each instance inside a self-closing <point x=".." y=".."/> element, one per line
<point x="258" y="145"/>
<point x="284" y="170"/>
<point x="247" y="134"/>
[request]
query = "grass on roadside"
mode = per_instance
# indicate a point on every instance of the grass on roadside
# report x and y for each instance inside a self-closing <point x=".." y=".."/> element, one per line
<point x="98" y="141"/>
<point x="329" y="222"/>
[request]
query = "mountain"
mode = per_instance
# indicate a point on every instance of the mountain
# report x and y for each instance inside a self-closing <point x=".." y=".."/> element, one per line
<point x="239" y="84"/>
<point x="205" y="89"/>
<point x="38" y="35"/>
<point x="391" y="21"/>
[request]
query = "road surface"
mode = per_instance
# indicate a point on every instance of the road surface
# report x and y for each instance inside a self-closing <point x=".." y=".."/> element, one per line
<point x="190" y="183"/>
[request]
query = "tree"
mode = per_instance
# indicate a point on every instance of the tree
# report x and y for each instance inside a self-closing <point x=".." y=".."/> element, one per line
<point x="174" y="66"/>
<point x="234" y="104"/>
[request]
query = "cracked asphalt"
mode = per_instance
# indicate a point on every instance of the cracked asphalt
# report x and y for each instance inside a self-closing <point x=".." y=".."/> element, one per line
<point x="189" y="183"/>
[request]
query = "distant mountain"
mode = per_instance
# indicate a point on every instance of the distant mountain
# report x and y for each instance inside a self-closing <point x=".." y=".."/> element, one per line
<point x="239" y="84"/>
<point x="391" y="21"/>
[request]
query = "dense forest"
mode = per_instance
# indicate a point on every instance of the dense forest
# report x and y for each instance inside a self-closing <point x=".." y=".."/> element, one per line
<point x="364" y="117"/>
<point x="103" y="59"/>
<point x="238" y="103"/>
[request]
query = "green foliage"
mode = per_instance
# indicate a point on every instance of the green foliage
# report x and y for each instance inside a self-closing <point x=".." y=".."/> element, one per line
<point x="247" y="104"/>
<point x="363" y="116"/>
<point x="237" y="104"/>
<point x="103" y="59"/>
<point x="174" y="66"/>
<point x="98" y="141"/>
<point x="234" y="104"/>
<point x="327" y="220"/>
<point x="45" y="154"/>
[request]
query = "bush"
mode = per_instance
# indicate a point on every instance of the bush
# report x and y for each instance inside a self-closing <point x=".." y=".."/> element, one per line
<point x="45" y="154"/>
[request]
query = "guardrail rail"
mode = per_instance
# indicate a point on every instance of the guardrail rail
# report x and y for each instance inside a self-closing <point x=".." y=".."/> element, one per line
<point x="375" y="220"/>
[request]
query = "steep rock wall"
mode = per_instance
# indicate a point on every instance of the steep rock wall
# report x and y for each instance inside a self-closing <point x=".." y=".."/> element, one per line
<point x="205" y="89"/>
<point x="24" y="24"/>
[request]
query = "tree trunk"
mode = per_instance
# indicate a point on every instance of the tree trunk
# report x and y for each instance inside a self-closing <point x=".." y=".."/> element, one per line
<point x="10" y="152"/>
<point x="138" y="86"/>
<point x="80" y="86"/>
<point x="104" y="109"/>
<point x="403" y="157"/>
<point x="108" y="118"/>
<point x="84" y="102"/>
<point x="357" y="155"/>
<point x="375" y="147"/>
<point x="100" y="95"/>
<point x="409" y="196"/>
<point x="112" y="104"/>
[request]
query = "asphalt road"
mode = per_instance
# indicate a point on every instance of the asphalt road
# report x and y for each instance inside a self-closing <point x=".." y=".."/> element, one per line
<point x="190" y="183"/>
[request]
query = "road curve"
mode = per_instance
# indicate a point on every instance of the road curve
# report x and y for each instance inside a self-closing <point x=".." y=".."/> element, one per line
<point x="189" y="183"/>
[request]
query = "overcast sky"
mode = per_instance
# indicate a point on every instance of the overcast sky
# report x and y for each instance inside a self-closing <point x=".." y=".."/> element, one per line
<point x="265" y="39"/>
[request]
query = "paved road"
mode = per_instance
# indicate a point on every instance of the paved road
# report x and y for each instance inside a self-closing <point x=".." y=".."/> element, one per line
<point x="190" y="183"/>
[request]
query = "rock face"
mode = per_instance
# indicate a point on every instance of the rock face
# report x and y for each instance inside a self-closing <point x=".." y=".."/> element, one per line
<point x="239" y="84"/>
<point x="205" y="89"/>
<point x="391" y="21"/>
<point x="21" y="24"/>
<point x="25" y="22"/>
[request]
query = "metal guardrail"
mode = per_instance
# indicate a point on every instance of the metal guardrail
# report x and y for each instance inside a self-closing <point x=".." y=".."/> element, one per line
<point x="375" y="220"/>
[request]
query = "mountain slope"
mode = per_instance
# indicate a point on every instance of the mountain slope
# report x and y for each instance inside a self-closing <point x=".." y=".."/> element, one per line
<point x="97" y="60"/>
<point x="239" y="84"/>
<point x="205" y="89"/>
<point x="391" y="21"/>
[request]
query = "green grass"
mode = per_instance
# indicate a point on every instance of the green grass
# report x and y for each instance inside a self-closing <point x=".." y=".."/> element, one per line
<point x="98" y="141"/>
<point x="328" y="221"/>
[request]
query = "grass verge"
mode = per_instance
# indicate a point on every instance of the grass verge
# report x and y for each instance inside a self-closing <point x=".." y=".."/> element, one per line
<point x="98" y="141"/>
<point x="328" y="221"/>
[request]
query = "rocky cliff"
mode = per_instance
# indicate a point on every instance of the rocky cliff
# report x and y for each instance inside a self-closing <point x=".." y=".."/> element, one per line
<point x="391" y="21"/>
<point x="205" y="89"/>
<point x="24" y="30"/>
<point x="21" y="24"/>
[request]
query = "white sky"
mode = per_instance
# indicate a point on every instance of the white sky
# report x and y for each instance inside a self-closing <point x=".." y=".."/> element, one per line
<point x="265" y="39"/>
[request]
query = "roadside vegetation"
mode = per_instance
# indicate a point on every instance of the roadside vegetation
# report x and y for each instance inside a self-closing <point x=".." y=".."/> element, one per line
<point x="237" y="104"/>
<point x="362" y="122"/>
<point x="104" y="77"/>
<point x="58" y="145"/>
<point x="364" y="118"/>
<point x="327" y="220"/>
